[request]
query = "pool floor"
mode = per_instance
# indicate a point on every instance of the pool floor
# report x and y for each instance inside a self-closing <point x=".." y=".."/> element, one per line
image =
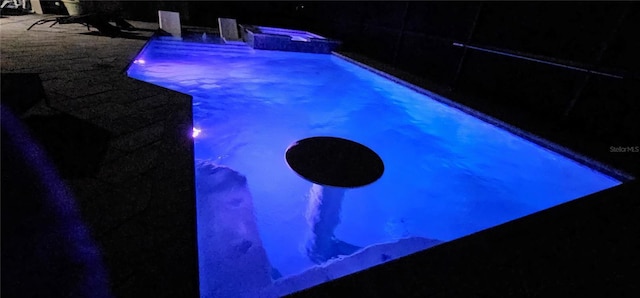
<point x="446" y="173"/>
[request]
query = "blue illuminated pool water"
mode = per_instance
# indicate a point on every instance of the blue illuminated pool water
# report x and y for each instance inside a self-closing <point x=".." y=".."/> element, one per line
<point x="447" y="174"/>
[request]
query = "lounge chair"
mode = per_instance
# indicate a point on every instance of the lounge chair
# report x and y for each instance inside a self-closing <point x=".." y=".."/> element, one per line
<point x="100" y="21"/>
<point x="229" y="30"/>
<point x="169" y="22"/>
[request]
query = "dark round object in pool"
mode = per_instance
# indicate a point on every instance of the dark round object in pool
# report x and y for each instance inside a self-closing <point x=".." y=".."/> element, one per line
<point x="335" y="162"/>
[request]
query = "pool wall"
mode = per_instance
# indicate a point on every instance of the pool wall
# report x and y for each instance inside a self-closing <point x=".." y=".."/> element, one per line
<point x="283" y="42"/>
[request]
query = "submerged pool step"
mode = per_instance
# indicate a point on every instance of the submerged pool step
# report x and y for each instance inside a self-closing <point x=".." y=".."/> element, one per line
<point x="165" y="51"/>
<point x="202" y="52"/>
<point x="198" y="47"/>
<point x="195" y="45"/>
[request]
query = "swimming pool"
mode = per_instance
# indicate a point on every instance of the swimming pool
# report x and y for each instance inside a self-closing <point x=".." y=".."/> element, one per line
<point x="447" y="174"/>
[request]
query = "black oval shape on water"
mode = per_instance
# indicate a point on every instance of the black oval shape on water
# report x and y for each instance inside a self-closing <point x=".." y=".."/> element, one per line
<point x="334" y="162"/>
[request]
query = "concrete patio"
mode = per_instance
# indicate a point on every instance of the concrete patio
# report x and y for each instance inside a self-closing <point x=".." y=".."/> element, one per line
<point x="139" y="203"/>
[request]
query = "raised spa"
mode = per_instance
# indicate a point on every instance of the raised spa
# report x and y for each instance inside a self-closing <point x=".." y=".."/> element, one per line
<point x="264" y="230"/>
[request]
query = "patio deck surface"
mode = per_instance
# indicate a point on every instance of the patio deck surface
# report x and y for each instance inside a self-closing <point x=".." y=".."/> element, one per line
<point x="138" y="199"/>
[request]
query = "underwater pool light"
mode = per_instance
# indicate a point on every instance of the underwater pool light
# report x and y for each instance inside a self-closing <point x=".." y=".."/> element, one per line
<point x="196" y="132"/>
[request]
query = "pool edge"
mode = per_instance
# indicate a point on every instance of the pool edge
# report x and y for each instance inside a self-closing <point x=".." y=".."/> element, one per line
<point x="572" y="248"/>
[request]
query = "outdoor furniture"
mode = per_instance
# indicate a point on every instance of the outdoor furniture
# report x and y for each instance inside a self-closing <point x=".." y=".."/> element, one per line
<point x="100" y="21"/>
<point x="229" y="30"/>
<point x="169" y="21"/>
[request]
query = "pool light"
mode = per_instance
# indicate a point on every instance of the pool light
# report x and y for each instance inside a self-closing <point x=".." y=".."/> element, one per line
<point x="196" y="132"/>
